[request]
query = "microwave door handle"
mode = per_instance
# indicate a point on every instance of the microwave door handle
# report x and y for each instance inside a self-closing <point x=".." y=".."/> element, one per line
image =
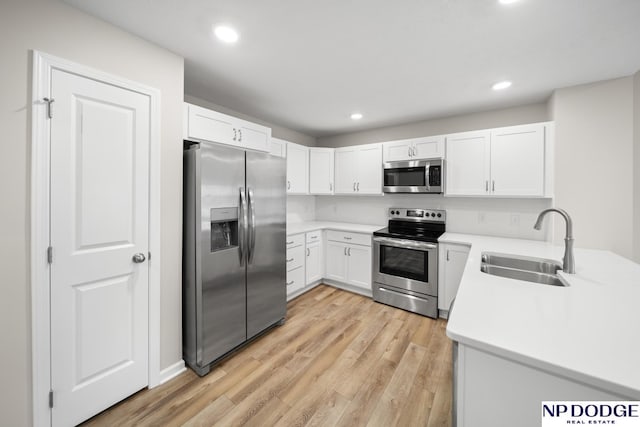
<point x="427" y="184"/>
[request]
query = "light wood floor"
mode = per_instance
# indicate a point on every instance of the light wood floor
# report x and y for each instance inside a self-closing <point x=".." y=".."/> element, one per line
<point x="340" y="360"/>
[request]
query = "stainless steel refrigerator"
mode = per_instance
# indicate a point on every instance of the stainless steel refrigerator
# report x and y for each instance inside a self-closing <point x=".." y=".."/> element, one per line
<point x="233" y="263"/>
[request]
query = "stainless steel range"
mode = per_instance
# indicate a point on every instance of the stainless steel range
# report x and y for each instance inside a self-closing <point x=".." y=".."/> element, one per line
<point x="405" y="260"/>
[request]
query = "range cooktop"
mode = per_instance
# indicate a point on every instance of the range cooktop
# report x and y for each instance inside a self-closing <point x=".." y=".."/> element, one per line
<point x="424" y="225"/>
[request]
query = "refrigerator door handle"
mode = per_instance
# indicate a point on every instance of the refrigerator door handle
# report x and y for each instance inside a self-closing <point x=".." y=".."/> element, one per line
<point x="242" y="225"/>
<point x="251" y="226"/>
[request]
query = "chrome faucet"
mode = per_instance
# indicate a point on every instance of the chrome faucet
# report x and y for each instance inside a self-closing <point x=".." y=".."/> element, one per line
<point x="568" y="262"/>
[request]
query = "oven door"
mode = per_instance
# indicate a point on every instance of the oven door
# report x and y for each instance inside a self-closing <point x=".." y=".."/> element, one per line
<point x="413" y="176"/>
<point x="406" y="264"/>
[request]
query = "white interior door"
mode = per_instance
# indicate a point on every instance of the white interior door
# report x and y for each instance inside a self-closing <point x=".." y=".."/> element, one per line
<point x="99" y="220"/>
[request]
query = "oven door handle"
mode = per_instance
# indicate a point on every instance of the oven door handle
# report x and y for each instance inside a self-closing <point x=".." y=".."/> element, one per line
<point x="405" y="244"/>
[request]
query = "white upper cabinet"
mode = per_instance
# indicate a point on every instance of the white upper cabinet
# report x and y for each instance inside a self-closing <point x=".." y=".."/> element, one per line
<point x="504" y="162"/>
<point x="202" y="124"/>
<point x="467" y="164"/>
<point x="321" y="161"/>
<point x="297" y="169"/>
<point x="358" y="169"/>
<point x="278" y="147"/>
<point x="517" y="161"/>
<point x="414" y="149"/>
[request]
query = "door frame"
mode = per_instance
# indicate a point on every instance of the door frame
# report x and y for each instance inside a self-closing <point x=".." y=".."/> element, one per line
<point x="43" y="65"/>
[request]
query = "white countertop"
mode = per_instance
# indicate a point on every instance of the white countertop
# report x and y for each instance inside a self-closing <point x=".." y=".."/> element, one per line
<point x="304" y="227"/>
<point x="589" y="331"/>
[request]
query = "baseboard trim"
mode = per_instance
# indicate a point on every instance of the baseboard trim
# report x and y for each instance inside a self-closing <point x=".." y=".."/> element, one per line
<point x="172" y="371"/>
<point x="350" y="288"/>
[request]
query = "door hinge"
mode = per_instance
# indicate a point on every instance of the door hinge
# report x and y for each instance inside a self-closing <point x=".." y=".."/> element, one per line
<point x="50" y="254"/>
<point x="50" y="398"/>
<point x="49" y="101"/>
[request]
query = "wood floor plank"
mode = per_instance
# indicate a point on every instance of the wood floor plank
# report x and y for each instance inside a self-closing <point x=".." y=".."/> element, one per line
<point x="340" y="359"/>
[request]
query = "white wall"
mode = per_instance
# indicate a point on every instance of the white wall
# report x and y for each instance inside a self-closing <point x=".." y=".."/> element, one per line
<point x="636" y="169"/>
<point x="496" y="217"/>
<point x="483" y="120"/>
<point x="58" y="29"/>
<point x="301" y="208"/>
<point x="277" y="131"/>
<point x="594" y="163"/>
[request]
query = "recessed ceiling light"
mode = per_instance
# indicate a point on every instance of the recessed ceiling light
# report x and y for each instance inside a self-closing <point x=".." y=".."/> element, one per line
<point x="356" y="116"/>
<point x="508" y="1"/>
<point x="502" y="85"/>
<point x="226" y="34"/>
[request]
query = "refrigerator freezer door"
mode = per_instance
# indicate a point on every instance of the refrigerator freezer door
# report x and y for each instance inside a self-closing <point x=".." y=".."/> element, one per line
<point x="266" y="266"/>
<point x="221" y="311"/>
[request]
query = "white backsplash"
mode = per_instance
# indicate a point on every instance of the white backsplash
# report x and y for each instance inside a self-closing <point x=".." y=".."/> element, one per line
<point x="494" y="217"/>
<point x="301" y="208"/>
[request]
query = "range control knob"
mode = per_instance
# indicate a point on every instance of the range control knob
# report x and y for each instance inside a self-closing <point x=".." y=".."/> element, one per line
<point x="439" y="215"/>
<point x="432" y="215"/>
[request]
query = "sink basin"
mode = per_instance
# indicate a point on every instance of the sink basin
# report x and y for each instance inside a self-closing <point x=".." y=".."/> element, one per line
<point x="528" y="269"/>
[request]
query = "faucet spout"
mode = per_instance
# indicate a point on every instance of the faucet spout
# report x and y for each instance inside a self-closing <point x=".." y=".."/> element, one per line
<point x="568" y="262"/>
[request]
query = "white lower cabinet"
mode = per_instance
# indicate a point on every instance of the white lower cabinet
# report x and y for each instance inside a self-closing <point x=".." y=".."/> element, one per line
<point x="451" y="263"/>
<point x="349" y="263"/>
<point x="295" y="280"/>
<point x="313" y="263"/>
<point x="295" y="261"/>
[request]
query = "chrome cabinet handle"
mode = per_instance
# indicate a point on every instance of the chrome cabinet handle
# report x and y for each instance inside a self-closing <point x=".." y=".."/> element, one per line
<point x="414" y="151"/>
<point x="347" y="238"/>
<point x="235" y="134"/>
<point x="330" y="187"/>
<point x="486" y="186"/>
<point x="291" y="283"/>
<point x="493" y="185"/>
<point x="447" y="254"/>
<point x="349" y="252"/>
<point x="289" y="260"/>
<point x="358" y="186"/>
<point x="291" y="242"/>
<point x="354" y="186"/>
<point x="409" y="151"/>
<point x="308" y="252"/>
<point x="288" y="185"/>
<point x="138" y="258"/>
<point x="240" y="132"/>
<point x="345" y="251"/>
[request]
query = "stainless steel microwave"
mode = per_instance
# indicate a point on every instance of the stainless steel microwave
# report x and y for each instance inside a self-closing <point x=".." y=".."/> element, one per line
<point x="413" y="176"/>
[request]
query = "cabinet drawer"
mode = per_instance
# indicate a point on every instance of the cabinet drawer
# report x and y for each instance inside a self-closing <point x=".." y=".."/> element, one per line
<point x="314" y="236"/>
<point x="295" y="240"/>
<point x="295" y="280"/>
<point x="295" y="257"/>
<point x="346" y="237"/>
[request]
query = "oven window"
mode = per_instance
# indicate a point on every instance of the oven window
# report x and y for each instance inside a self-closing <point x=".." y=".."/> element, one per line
<point x="411" y="177"/>
<point x="408" y="263"/>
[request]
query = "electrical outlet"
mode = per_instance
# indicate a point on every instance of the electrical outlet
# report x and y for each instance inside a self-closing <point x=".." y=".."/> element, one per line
<point x="514" y="220"/>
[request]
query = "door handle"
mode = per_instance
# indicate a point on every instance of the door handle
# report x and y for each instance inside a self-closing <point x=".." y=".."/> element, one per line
<point x="251" y="225"/>
<point x="138" y="258"/>
<point x="242" y="224"/>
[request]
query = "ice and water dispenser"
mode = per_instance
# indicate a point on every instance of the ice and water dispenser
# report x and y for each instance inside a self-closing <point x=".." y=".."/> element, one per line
<point x="224" y="228"/>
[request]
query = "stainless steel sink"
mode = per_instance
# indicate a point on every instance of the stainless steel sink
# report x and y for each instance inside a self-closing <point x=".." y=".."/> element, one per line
<point x="529" y="269"/>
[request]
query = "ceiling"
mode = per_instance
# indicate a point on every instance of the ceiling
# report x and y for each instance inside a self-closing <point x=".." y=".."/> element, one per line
<point x="309" y="64"/>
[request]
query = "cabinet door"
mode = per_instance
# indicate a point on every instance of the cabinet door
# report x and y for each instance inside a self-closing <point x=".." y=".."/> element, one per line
<point x="207" y="125"/>
<point x="278" y="147"/>
<point x="397" y="150"/>
<point x="297" y="164"/>
<point x="336" y="261"/>
<point x="295" y="280"/>
<point x="321" y="170"/>
<point x="314" y="263"/>
<point x="253" y="136"/>
<point x="359" y="266"/>
<point x="517" y="161"/>
<point x="467" y="166"/>
<point x="345" y="173"/>
<point x="369" y="161"/>
<point x="428" y="148"/>
<point x="453" y="258"/>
